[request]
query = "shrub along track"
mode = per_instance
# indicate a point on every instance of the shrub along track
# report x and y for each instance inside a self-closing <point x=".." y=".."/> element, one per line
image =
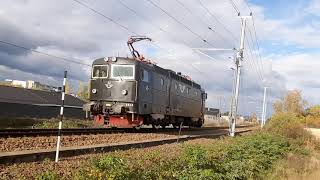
<point x="37" y="155"/>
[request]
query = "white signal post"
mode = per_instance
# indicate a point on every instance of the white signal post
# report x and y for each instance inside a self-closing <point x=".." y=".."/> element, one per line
<point x="239" y="59"/>
<point x="61" y="115"/>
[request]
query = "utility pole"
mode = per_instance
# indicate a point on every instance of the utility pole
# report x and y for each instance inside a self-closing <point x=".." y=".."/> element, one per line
<point x="264" y="108"/>
<point x="232" y="94"/>
<point x="238" y="60"/>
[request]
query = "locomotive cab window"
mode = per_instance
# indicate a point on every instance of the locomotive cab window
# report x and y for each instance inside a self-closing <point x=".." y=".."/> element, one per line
<point x="161" y="81"/>
<point x="122" y="71"/>
<point x="144" y="75"/>
<point x="100" y="71"/>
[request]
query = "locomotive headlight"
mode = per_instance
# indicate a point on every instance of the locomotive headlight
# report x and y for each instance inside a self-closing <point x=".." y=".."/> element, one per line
<point x="94" y="91"/>
<point x="124" y="92"/>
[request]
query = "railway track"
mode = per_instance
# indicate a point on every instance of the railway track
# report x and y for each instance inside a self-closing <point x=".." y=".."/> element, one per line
<point x="80" y="131"/>
<point x="38" y="155"/>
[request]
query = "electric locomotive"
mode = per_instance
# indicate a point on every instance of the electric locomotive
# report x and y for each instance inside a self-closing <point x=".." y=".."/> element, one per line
<point x="130" y="92"/>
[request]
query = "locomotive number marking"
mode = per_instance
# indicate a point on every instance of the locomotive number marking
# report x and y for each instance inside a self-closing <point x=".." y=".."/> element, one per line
<point x="182" y="88"/>
<point x="109" y="85"/>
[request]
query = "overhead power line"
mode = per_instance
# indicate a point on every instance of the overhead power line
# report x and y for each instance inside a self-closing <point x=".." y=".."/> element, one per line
<point x="46" y="54"/>
<point x="119" y="24"/>
<point x="179" y="22"/>
<point x="255" y="33"/>
<point x="248" y="5"/>
<point x="111" y="20"/>
<point x="211" y="14"/>
<point x="149" y="20"/>
<point x="254" y="64"/>
<point x="256" y="38"/>
<point x="203" y="22"/>
<point x="107" y="17"/>
<point x="259" y="63"/>
<point x="235" y="6"/>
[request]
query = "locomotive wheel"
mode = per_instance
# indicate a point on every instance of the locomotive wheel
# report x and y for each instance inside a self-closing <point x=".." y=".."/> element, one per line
<point x="155" y="126"/>
<point x="175" y="126"/>
<point x="163" y="126"/>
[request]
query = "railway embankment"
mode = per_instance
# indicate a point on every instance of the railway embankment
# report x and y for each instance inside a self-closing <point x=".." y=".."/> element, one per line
<point x="242" y="157"/>
<point x="282" y="149"/>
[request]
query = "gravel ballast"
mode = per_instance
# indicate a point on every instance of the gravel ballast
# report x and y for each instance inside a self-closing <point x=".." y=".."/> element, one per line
<point x="43" y="142"/>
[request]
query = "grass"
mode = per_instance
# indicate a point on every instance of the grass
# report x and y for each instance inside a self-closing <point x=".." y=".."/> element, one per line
<point x="43" y="123"/>
<point x="282" y="150"/>
<point x="247" y="157"/>
<point x="66" y="123"/>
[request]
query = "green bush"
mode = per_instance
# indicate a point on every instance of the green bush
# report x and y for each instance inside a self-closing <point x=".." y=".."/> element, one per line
<point x="112" y="167"/>
<point x="67" y="123"/>
<point x="48" y="175"/>
<point x="247" y="157"/>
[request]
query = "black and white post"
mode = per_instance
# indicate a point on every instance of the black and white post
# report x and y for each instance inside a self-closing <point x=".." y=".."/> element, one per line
<point x="61" y="114"/>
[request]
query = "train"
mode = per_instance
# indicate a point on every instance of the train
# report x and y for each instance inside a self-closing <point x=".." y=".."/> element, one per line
<point x="130" y="92"/>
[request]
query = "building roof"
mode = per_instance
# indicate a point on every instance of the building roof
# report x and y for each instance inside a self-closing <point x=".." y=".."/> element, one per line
<point x="211" y="111"/>
<point x="36" y="97"/>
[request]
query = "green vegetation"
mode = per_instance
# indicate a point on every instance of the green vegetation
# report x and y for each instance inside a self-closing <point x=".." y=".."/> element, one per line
<point x="48" y="175"/>
<point x="67" y="123"/>
<point x="43" y="123"/>
<point x="271" y="153"/>
<point x="239" y="158"/>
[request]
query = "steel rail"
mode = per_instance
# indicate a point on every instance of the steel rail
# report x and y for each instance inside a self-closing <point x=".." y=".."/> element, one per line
<point x="39" y="155"/>
<point x="83" y="131"/>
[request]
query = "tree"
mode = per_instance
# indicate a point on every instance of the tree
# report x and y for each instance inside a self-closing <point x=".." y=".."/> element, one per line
<point x="80" y="89"/>
<point x="253" y="118"/>
<point x="68" y="88"/>
<point x="292" y="103"/>
<point x="278" y="106"/>
<point x="83" y="91"/>
<point x="314" y="111"/>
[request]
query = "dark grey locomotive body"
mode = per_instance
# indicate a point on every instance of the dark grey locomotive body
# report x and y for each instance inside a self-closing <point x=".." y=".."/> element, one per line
<point x="129" y="92"/>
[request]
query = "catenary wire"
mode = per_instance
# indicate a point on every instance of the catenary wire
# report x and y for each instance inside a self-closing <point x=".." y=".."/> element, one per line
<point x="234" y="6"/>
<point x="203" y="22"/>
<point x="259" y="63"/>
<point x="46" y="54"/>
<point x="179" y="22"/>
<point x="211" y="14"/>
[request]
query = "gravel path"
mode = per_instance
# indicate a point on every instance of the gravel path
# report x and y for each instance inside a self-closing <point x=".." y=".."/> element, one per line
<point x="41" y="142"/>
<point x="46" y="142"/>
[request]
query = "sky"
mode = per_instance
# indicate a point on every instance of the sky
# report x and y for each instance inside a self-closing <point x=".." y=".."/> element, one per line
<point x="281" y="42"/>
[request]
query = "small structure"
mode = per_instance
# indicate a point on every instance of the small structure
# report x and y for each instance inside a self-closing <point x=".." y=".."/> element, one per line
<point x="28" y="103"/>
<point x="211" y="116"/>
<point x="29" y="84"/>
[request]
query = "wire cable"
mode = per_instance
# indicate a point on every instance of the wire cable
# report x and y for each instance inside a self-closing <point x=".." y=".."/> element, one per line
<point x="46" y="54"/>
<point x="148" y="20"/>
<point x="203" y="22"/>
<point x="234" y="6"/>
<point x="245" y="1"/>
<point x="253" y="61"/>
<point x="255" y="32"/>
<point x="211" y="14"/>
<point x="109" y="18"/>
<point x="179" y="22"/>
<point x="259" y="63"/>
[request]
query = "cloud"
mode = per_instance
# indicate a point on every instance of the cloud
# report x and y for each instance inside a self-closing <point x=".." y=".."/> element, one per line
<point x="67" y="29"/>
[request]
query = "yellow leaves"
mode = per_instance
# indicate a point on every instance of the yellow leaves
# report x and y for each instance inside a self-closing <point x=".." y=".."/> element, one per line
<point x="292" y="103"/>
